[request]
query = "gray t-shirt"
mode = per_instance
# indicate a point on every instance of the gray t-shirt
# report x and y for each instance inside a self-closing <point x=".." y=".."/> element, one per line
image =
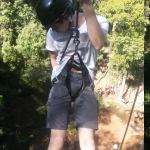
<point x="57" y="41"/>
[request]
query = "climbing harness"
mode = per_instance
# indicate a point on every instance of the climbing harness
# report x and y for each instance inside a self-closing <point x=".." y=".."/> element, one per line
<point x="87" y="81"/>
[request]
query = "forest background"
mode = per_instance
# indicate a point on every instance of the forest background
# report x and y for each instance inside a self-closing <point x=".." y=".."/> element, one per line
<point x="25" y="64"/>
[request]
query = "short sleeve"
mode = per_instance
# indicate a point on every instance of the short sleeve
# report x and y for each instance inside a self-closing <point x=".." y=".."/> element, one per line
<point x="50" y="42"/>
<point x="103" y="23"/>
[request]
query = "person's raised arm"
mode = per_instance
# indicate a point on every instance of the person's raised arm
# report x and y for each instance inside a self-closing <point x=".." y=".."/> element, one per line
<point x="95" y="32"/>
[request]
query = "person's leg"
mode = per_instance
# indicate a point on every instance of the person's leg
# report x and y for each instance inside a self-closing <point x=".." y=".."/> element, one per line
<point x="86" y="110"/>
<point x="57" y="139"/>
<point x="58" y="107"/>
<point x="86" y="118"/>
<point x="86" y="138"/>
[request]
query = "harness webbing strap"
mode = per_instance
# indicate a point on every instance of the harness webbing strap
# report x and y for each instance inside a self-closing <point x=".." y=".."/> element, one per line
<point x="85" y="75"/>
<point x="74" y="33"/>
<point x="63" y="73"/>
<point x="87" y="81"/>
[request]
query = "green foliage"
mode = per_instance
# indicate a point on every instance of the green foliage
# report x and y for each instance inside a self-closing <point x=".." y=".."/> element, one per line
<point x="41" y="110"/>
<point x="24" y="63"/>
<point x="127" y="18"/>
<point x="72" y="128"/>
<point x="100" y="55"/>
<point x="146" y="79"/>
<point x="18" y="142"/>
<point x="1" y="109"/>
<point x="36" y="61"/>
<point x="147" y="98"/>
<point x="146" y="114"/>
<point x="112" y="104"/>
<point x="24" y="69"/>
<point x="147" y="9"/>
<point x="147" y="72"/>
<point x="99" y="101"/>
<point x="23" y="40"/>
<point x="13" y="17"/>
<point x="1" y="102"/>
<point x="1" y="132"/>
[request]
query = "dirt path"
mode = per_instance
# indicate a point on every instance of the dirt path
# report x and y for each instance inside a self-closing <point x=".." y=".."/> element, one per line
<point x="110" y="132"/>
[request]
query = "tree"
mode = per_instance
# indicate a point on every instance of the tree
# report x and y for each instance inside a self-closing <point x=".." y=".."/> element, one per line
<point x="128" y="30"/>
<point x="22" y="41"/>
<point x="24" y="67"/>
<point x="126" y="39"/>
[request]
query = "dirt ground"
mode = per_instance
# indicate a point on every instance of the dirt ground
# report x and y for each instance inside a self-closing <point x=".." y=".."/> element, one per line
<point x="111" y="131"/>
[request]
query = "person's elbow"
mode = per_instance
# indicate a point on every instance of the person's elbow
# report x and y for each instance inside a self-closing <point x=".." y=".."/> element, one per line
<point x="99" y="43"/>
<point x="100" y="38"/>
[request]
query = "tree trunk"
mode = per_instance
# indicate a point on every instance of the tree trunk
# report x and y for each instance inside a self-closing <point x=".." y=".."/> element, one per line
<point x="122" y="86"/>
<point x="112" y="43"/>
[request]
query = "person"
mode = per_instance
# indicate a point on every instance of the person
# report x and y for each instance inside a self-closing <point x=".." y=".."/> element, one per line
<point x="107" y="91"/>
<point x="124" y="100"/>
<point x="76" y="83"/>
<point x="100" y="92"/>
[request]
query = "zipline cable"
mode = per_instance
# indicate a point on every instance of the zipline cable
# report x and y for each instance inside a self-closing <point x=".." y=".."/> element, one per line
<point x="137" y="91"/>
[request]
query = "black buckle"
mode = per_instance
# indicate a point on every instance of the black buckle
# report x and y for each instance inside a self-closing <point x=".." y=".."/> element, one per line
<point x="58" y="78"/>
<point x="55" y="80"/>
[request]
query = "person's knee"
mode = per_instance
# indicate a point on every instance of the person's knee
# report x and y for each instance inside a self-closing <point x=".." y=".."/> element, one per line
<point x="88" y="142"/>
<point x="86" y="138"/>
<point x="57" y="139"/>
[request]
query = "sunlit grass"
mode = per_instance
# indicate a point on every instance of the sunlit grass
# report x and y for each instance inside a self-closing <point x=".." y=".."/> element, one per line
<point x="99" y="101"/>
<point x="72" y="128"/>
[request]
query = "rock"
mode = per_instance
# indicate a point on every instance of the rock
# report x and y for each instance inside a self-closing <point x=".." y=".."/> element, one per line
<point x="138" y="129"/>
<point x="127" y="108"/>
<point x="135" y="133"/>
<point x="141" y="116"/>
<point x="107" y="105"/>
<point x="141" y="109"/>
<point x="115" y="146"/>
<point x="119" y="120"/>
<point x="135" y="114"/>
<point x="127" y="112"/>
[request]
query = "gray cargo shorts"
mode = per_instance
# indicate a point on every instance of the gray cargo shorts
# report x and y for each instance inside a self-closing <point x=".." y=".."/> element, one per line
<point x="59" y="104"/>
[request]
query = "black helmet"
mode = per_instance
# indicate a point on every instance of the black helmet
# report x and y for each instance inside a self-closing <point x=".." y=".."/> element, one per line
<point x="50" y="11"/>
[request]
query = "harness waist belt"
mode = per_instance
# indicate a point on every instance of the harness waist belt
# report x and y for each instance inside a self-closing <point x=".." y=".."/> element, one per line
<point x="76" y="66"/>
<point x="57" y="79"/>
<point x="89" y="81"/>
